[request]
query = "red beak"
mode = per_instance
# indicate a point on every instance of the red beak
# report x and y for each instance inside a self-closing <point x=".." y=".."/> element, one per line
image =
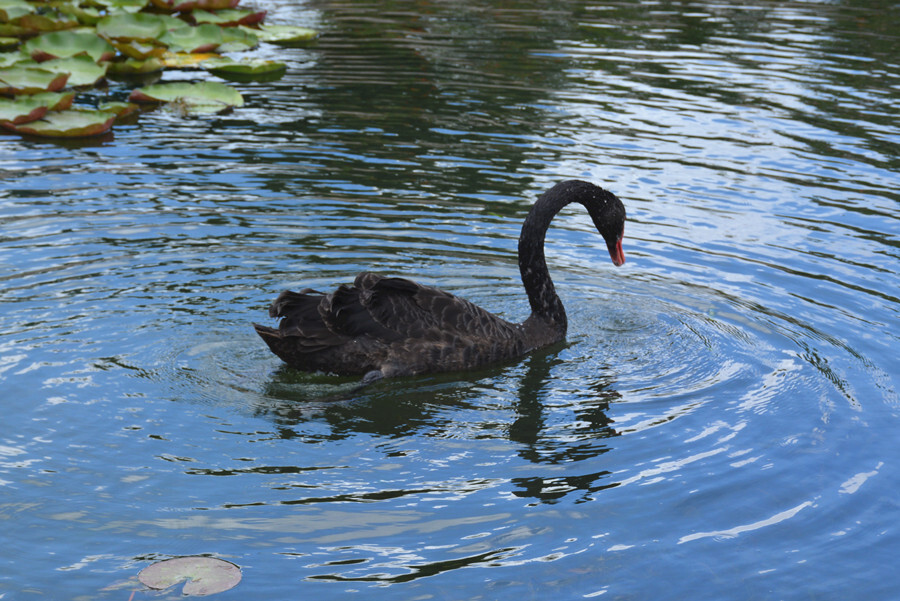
<point x="616" y="253"/>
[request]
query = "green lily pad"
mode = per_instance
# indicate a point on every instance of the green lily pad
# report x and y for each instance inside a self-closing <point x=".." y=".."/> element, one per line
<point x="68" y="124"/>
<point x="21" y="110"/>
<point x="8" y="43"/>
<point x="137" y="50"/>
<point x="125" y="112"/>
<point x="237" y="39"/>
<point x="13" y="9"/>
<point x="245" y="70"/>
<point x="184" y="6"/>
<point x="191" y="98"/>
<point x="130" y="67"/>
<point x="81" y="69"/>
<point x="285" y="35"/>
<point x="202" y="38"/>
<point x="123" y="6"/>
<point x="8" y="59"/>
<point x="64" y="44"/>
<point x="204" y="575"/>
<point x="143" y="27"/>
<point x="25" y="80"/>
<point x="55" y="101"/>
<point x="51" y="21"/>
<point x="24" y="109"/>
<point x="229" y="17"/>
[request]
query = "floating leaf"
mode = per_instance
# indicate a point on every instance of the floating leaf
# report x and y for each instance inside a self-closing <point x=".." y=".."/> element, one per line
<point x="8" y="43"/>
<point x="25" y="80"/>
<point x="64" y="44"/>
<point x="189" y="5"/>
<point x="68" y="124"/>
<point x="137" y="50"/>
<point x="285" y="35"/>
<point x="123" y="6"/>
<point x="35" y="23"/>
<point x="55" y="101"/>
<point x="21" y="110"/>
<point x="185" y="60"/>
<point x="202" y="38"/>
<point x="191" y="98"/>
<point x="204" y="575"/>
<point x="237" y="39"/>
<point x="229" y="17"/>
<point x="125" y="112"/>
<point x="246" y="70"/>
<point x="8" y="59"/>
<point x="143" y="27"/>
<point x="13" y="9"/>
<point x="25" y="109"/>
<point x="130" y="67"/>
<point x="81" y="69"/>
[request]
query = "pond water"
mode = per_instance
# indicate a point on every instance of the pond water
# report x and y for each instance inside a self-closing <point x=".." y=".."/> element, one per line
<point x="721" y="423"/>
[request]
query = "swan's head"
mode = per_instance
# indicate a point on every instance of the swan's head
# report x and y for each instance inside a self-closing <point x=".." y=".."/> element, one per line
<point x="608" y="214"/>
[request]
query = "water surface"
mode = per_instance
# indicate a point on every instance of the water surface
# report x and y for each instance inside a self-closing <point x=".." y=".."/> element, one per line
<point x="720" y="423"/>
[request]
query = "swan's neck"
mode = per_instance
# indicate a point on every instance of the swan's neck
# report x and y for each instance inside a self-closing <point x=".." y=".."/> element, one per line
<point x="545" y="304"/>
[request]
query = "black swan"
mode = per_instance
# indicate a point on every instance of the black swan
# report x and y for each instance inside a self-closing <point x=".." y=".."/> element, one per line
<point x="386" y="326"/>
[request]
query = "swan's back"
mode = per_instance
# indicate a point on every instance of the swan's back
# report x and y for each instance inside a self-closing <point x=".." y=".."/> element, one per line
<point x="389" y="325"/>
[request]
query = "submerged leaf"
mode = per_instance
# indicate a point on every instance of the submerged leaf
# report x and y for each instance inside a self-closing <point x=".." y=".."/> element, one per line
<point x="204" y="575"/>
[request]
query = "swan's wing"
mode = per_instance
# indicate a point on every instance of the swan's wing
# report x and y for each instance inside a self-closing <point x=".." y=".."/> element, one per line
<point x="301" y="319"/>
<point x="414" y="311"/>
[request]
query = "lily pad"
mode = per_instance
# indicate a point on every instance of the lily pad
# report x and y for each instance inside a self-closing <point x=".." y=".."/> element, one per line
<point x="246" y="70"/>
<point x="13" y="9"/>
<point x="55" y="101"/>
<point x="229" y="17"/>
<point x="21" y="110"/>
<point x="68" y="124"/>
<point x="191" y="98"/>
<point x="186" y="60"/>
<point x="51" y="21"/>
<point x="8" y="59"/>
<point x="123" y="6"/>
<point x="237" y="39"/>
<point x="184" y="6"/>
<point x="125" y="112"/>
<point x="285" y="35"/>
<point x="137" y="50"/>
<point x="81" y="69"/>
<point x="204" y="575"/>
<point x="143" y="27"/>
<point x="132" y="67"/>
<point x="202" y="38"/>
<point x="24" y="109"/>
<point x="64" y="44"/>
<point x="25" y="80"/>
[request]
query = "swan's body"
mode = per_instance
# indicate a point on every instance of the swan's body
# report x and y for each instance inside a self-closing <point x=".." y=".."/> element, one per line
<point x="384" y="326"/>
